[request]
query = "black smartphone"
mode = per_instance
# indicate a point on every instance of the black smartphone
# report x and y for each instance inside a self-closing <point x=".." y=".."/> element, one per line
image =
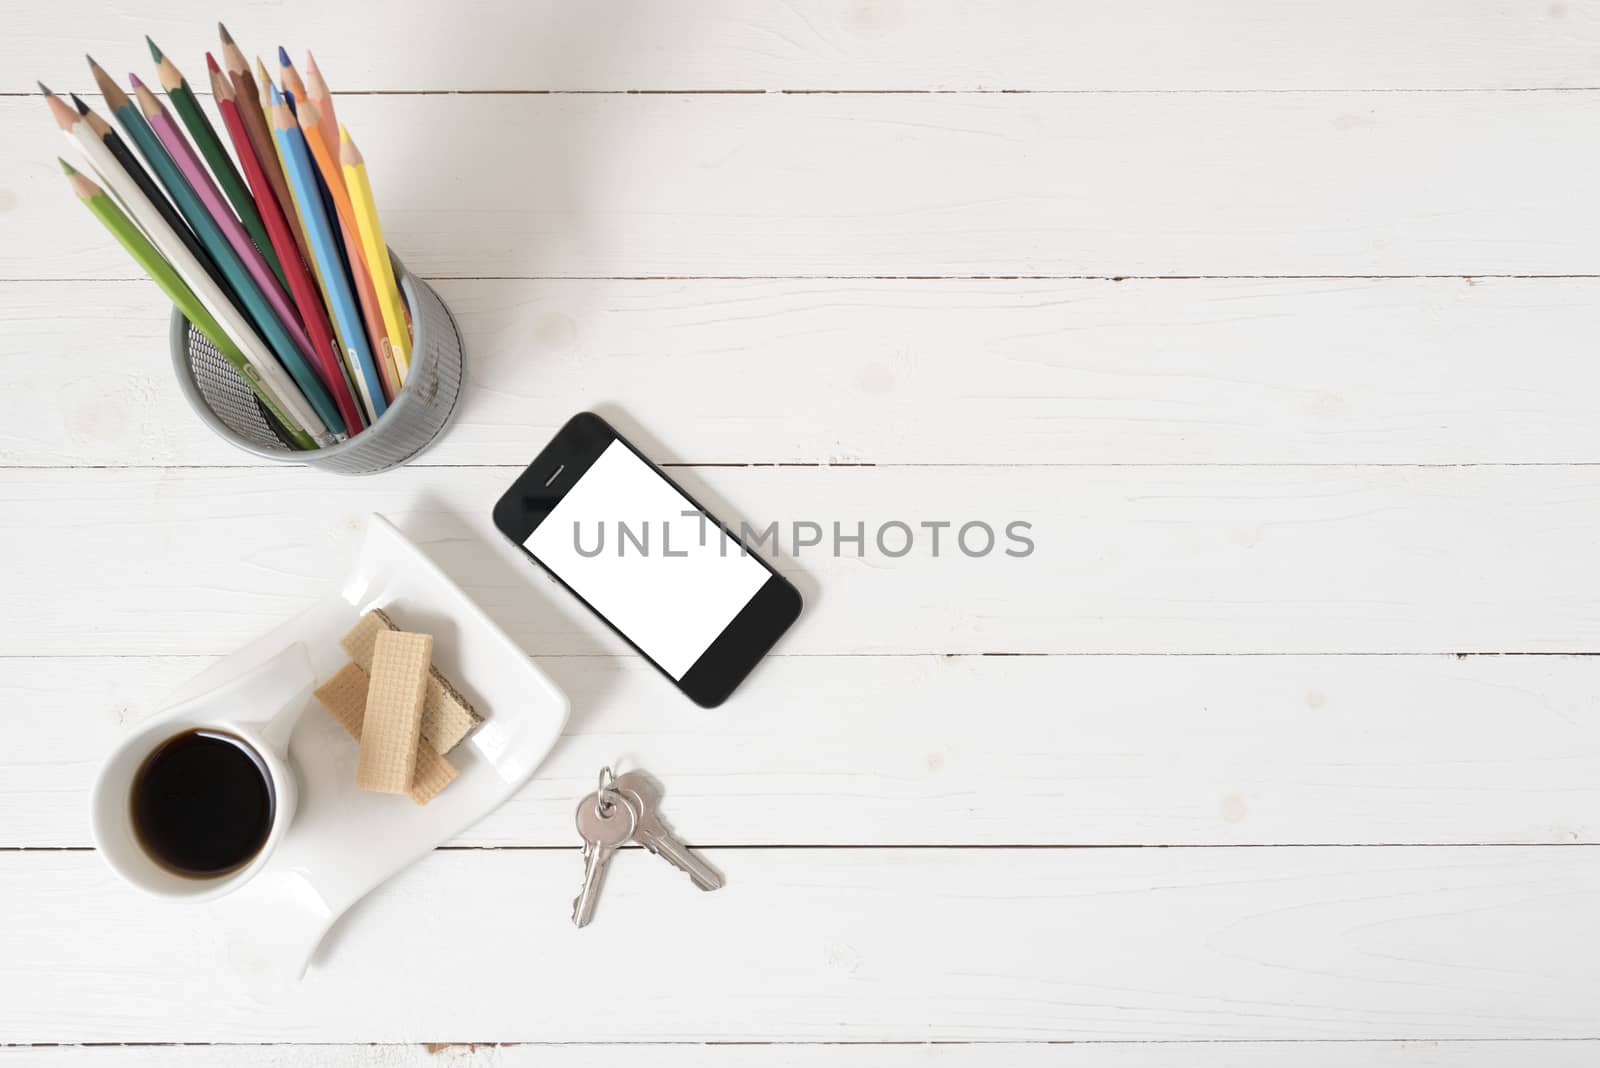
<point x="660" y="570"/>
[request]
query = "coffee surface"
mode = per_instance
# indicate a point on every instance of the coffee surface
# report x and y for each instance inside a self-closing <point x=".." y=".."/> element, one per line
<point x="202" y="804"/>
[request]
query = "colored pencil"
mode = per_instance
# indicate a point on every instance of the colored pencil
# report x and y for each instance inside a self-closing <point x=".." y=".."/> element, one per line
<point x="265" y="84"/>
<point x="289" y="78"/>
<point x="133" y="123"/>
<point x="377" y="252"/>
<point x="255" y="124"/>
<point x="216" y="156"/>
<point x="318" y="96"/>
<point x="293" y="90"/>
<point x="306" y="298"/>
<point x="195" y="173"/>
<point x="261" y="371"/>
<point x="267" y="90"/>
<point x="147" y="185"/>
<point x="292" y="146"/>
<point x="360" y="274"/>
<point x="240" y="275"/>
<point x="162" y="273"/>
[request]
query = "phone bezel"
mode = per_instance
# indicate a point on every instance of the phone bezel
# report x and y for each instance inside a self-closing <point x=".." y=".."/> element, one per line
<point x="743" y="642"/>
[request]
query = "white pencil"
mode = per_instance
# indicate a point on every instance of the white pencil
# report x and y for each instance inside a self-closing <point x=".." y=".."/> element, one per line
<point x="274" y="380"/>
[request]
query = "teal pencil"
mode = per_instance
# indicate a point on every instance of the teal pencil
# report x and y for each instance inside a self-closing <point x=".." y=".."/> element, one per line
<point x="144" y="138"/>
<point x="319" y="234"/>
<point x="233" y="268"/>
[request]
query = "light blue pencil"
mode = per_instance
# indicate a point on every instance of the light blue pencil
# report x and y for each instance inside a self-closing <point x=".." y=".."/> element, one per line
<point x="319" y="235"/>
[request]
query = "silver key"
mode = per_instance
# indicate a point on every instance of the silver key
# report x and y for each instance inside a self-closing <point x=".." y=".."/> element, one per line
<point x="603" y="830"/>
<point x="652" y="832"/>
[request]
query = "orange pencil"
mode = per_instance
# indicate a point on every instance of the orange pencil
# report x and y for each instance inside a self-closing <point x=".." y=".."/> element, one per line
<point x="319" y="97"/>
<point x="371" y="311"/>
<point x="306" y="298"/>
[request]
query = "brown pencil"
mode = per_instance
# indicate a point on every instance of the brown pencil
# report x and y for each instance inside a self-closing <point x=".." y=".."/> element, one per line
<point x="260" y="135"/>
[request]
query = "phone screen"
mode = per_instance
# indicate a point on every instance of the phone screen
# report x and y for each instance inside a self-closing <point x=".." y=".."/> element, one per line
<point x="639" y="551"/>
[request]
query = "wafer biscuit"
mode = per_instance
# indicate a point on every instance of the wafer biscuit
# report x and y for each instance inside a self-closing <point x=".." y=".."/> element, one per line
<point x="345" y="697"/>
<point x="391" y="729"/>
<point x="447" y="716"/>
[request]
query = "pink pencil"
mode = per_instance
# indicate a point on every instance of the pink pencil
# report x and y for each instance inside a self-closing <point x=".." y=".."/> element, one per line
<point x="195" y="174"/>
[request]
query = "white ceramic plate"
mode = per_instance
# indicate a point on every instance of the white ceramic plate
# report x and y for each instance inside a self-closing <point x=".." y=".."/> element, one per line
<point x="345" y="842"/>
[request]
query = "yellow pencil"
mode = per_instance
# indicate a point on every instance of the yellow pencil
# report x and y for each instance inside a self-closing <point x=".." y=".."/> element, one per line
<point x="365" y="210"/>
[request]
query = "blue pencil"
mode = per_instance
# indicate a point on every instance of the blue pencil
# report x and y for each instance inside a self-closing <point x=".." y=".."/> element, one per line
<point x="328" y="208"/>
<point x="319" y="235"/>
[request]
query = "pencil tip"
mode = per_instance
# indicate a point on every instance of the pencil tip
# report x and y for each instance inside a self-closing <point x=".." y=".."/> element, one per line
<point x="92" y="64"/>
<point x="133" y="80"/>
<point x="277" y="97"/>
<point x="43" y="88"/>
<point x="155" y="53"/>
<point x="222" y="31"/>
<point x="283" y="57"/>
<point x="66" y="168"/>
<point x="211" y="64"/>
<point x="77" y="102"/>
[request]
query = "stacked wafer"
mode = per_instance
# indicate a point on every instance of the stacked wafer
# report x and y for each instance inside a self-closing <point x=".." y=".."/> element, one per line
<point x="403" y="711"/>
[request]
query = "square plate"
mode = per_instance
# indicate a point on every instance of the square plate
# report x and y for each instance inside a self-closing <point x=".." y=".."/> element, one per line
<point x="345" y="842"/>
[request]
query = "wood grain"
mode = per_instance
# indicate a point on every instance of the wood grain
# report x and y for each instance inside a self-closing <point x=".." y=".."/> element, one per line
<point x="1437" y="371"/>
<point x="801" y="232"/>
<point x="630" y="45"/>
<point x="1126" y="560"/>
<point x="812" y="185"/>
<point x="1423" y="1054"/>
<point x="849" y="945"/>
<point x="940" y="750"/>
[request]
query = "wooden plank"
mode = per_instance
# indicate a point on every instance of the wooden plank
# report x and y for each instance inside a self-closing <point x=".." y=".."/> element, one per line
<point x="910" y="371"/>
<point x="833" y="44"/>
<point x="1535" y="1054"/>
<point x="898" y="750"/>
<point x="1108" y="184"/>
<point x="847" y="945"/>
<point x="1125" y="559"/>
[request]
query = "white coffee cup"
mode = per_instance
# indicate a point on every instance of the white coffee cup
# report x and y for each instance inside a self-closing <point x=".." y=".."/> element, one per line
<point x="260" y="709"/>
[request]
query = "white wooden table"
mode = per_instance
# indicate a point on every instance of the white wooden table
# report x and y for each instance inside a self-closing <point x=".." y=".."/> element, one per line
<point x="1280" y="322"/>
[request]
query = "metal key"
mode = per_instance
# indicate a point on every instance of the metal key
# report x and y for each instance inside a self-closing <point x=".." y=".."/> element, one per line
<point x="604" y="828"/>
<point x="652" y="832"/>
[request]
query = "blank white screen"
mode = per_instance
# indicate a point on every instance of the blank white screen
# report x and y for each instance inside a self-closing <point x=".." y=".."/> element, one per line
<point x="672" y="607"/>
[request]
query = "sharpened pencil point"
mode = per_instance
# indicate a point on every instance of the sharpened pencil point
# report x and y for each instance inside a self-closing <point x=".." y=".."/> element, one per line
<point x="65" y="117"/>
<point x="211" y="63"/>
<point x="133" y="80"/>
<point x="77" y="102"/>
<point x="92" y="64"/>
<point x="66" y="168"/>
<point x="222" y="32"/>
<point x="277" y="97"/>
<point x="43" y="88"/>
<point x="283" y="57"/>
<point x="155" y="53"/>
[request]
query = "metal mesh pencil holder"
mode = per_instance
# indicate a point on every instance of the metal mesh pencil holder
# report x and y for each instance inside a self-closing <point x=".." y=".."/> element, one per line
<point x="413" y="421"/>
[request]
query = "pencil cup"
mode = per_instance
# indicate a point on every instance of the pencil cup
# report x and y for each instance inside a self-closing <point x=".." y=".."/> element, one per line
<point x="416" y="418"/>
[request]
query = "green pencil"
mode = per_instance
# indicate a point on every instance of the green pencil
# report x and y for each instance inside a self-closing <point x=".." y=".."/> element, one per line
<point x="216" y="157"/>
<point x="160" y="271"/>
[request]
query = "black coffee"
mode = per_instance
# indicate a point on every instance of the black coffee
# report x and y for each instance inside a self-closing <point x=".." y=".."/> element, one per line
<point x="202" y="804"/>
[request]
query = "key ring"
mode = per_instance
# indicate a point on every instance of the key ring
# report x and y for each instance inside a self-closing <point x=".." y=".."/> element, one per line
<point x="605" y="792"/>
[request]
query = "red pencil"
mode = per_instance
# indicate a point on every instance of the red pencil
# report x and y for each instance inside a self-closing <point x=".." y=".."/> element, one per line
<point x="300" y="284"/>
